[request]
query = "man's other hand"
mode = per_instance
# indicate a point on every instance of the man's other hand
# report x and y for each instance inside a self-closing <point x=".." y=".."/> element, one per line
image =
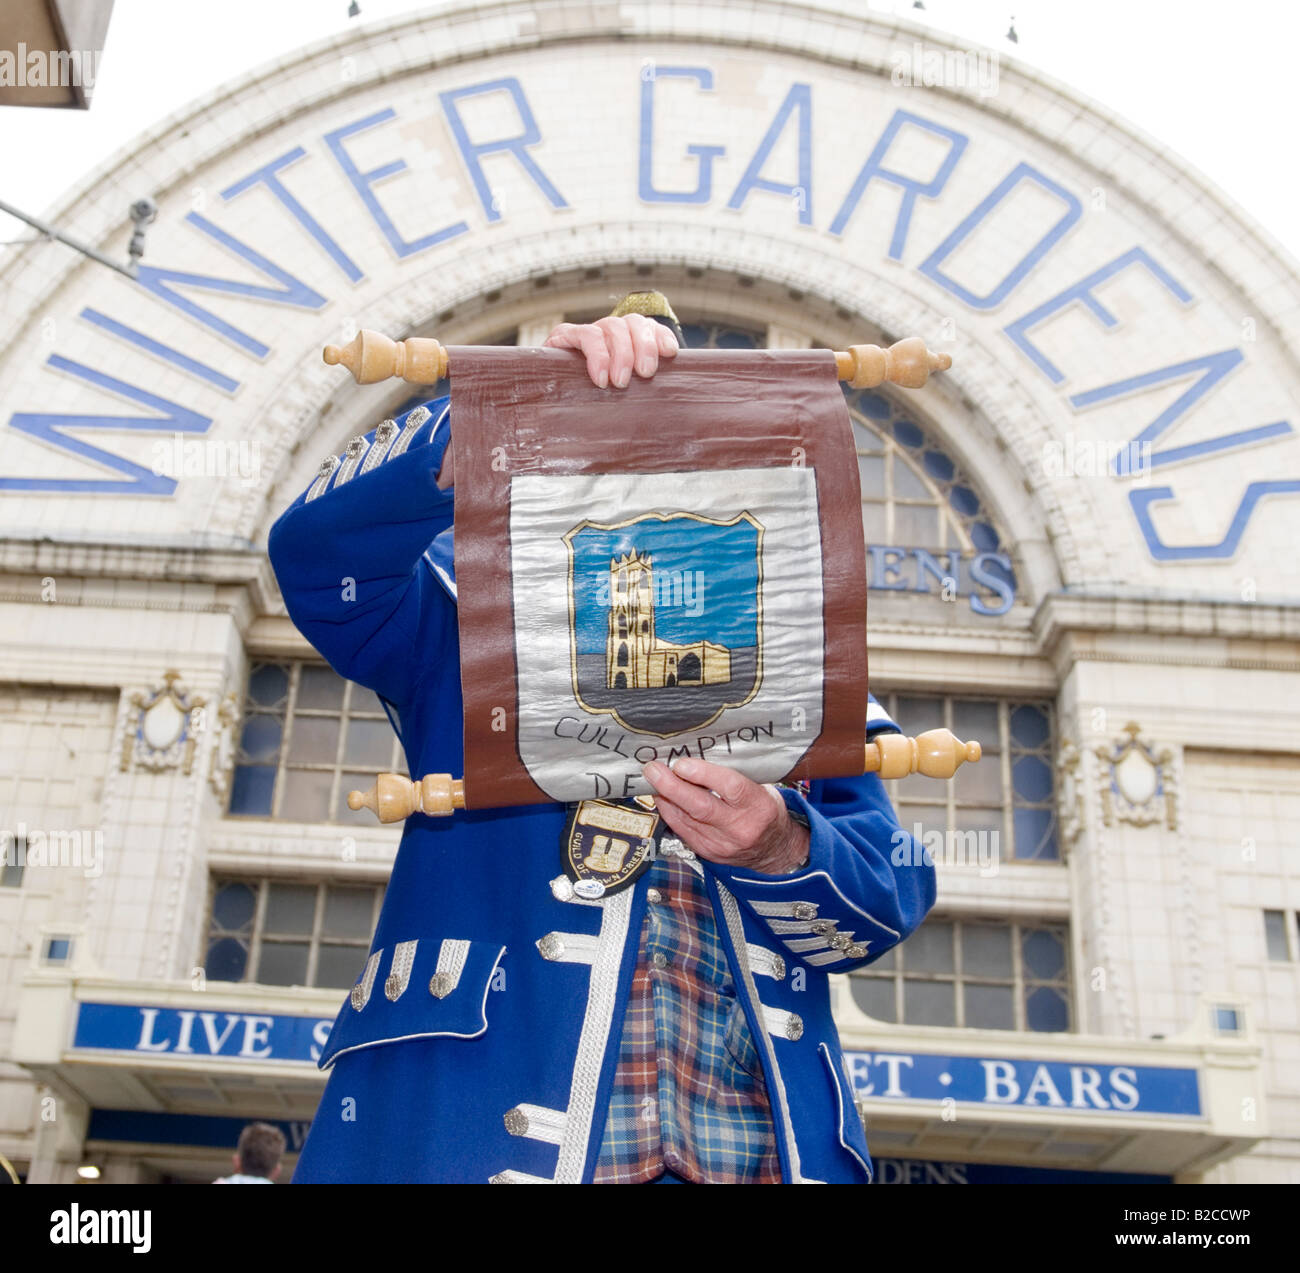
<point x="615" y="347"/>
<point x="723" y="817"/>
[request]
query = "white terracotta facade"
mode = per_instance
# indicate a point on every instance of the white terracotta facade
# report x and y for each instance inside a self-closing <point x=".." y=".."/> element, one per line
<point x="568" y="152"/>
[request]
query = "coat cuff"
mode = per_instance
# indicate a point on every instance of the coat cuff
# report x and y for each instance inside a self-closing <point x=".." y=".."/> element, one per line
<point x="807" y="915"/>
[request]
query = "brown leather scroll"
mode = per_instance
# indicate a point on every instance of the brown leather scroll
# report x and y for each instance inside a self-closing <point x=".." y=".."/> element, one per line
<point x="675" y="568"/>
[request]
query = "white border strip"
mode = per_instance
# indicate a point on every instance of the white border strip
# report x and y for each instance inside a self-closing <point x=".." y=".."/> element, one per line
<point x="596" y="1023"/>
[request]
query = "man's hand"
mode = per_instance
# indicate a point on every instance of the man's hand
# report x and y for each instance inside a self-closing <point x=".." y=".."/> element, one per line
<point x="617" y="346"/>
<point x="614" y="348"/>
<point x="743" y="824"/>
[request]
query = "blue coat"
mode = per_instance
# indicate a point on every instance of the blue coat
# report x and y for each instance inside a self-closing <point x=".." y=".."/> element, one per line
<point x="481" y="1042"/>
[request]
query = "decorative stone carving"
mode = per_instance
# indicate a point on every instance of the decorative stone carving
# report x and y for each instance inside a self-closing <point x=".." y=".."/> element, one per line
<point x="1138" y="783"/>
<point x="1069" y="793"/>
<point x="160" y="730"/>
<point x="222" y="758"/>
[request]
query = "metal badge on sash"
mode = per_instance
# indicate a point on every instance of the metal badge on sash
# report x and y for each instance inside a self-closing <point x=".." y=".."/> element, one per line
<point x="607" y="845"/>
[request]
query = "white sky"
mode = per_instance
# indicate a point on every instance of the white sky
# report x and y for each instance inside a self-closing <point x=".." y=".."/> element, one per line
<point x="1214" y="82"/>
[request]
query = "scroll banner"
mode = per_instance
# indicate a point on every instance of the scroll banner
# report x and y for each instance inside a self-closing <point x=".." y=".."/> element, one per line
<point x="672" y="569"/>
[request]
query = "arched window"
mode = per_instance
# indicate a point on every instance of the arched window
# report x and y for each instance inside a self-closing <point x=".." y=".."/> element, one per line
<point x="914" y="495"/>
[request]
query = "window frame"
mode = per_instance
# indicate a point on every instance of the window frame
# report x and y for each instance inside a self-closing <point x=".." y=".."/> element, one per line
<point x="261" y="883"/>
<point x="288" y="717"/>
<point x="1290" y="922"/>
<point x="891" y="453"/>
<point x="1020" y="982"/>
<point x="1007" y="752"/>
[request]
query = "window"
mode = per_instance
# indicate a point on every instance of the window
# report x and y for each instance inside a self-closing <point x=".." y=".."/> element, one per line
<point x="1227" y="1020"/>
<point x="1002" y="806"/>
<point x="720" y="336"/>
<point x="898" y="505"/>
<point x="913" y="493"/>
<point x="57" y="950"/>
<point x="308" y="737"/>
<point x="1275" y="937"/>
<point x="980" y="974"/>
<point x="290" y="933"/>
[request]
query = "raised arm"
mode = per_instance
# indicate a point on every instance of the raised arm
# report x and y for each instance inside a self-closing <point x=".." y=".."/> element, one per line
<point x="350" y="553"/>
<point x="833" y="872"/>
<point x="355" y="554"/>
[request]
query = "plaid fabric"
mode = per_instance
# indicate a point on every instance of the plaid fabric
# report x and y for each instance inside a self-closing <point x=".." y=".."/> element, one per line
<point x="689" y="1095"/>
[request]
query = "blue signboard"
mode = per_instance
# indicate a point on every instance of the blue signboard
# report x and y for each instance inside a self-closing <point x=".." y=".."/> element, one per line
<point x="1002" y="1082"/>
<point x="146" y="1030"/>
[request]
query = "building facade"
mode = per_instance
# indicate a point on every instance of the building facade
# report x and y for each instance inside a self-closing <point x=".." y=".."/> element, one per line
<point x="1079" y="553"/>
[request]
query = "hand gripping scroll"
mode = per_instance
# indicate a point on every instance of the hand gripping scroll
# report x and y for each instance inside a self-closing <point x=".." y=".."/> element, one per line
<point x="421" y="360"/>
<point x="937" y="754"/>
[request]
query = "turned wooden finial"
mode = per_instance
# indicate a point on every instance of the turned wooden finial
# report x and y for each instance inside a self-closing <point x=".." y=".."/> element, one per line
<point x="937" y="753"/>
<point x="372" y="356"/>
<point x="394" y="797"/>
<point x="906" y="362"/>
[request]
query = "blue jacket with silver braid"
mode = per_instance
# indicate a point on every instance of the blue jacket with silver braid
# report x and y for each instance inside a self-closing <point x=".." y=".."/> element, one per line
<point x="480" y="1043"/>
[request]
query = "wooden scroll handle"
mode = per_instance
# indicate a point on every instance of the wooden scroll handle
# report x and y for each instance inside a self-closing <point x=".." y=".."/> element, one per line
<point x="907" y="363"/>
<point x="937" y="753"/>
<point x="421" y="360"/>
<point x="393" y="797"/>
<point x="371" y="357"/>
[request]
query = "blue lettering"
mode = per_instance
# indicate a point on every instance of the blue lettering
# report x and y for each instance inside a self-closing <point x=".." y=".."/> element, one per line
<point x="1017" y="274"/>
<point x="47" y="427"/>
<point x="1215" y="367"/>
<point x="291" y="291"/>
<point x="1225" y="442"/>
<point x="646" y="190"/>
<point x="885" y="567"/>
<point x="1081" y="293"/>
<point x="268" y="176"/>
<point x="982" y="575"/>
<point x="798" y="98"/>
<point x="927" y="565"/>
<point x="1141" y="501"/>
<point x="192" y="366"/>
<point x="473" y="152"/>
<point x="363" y="181"/>
<point x="911" y="187"/>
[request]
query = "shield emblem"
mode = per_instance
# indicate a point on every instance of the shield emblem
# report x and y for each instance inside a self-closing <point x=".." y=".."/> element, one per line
<point x="664" y="615"/>
<point x="665" y="618"/>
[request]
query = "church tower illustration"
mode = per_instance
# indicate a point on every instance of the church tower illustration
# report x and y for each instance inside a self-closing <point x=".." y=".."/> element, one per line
<point x="635" y="658"/>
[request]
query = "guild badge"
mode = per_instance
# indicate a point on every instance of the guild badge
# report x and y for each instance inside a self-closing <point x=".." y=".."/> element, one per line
<point x="607" y="846"/>
<point x="665" y="618"/>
